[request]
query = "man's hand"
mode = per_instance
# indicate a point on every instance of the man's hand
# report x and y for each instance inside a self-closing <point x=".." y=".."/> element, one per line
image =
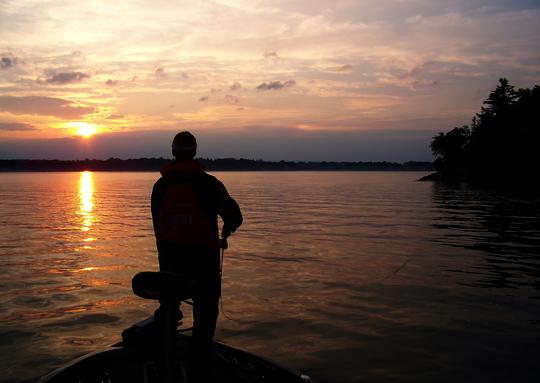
<point x="225" y="232"/>
<point x="223" y="243"/>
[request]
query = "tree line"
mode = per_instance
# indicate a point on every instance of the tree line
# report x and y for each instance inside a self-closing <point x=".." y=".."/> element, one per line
<point x="222" y="164"/>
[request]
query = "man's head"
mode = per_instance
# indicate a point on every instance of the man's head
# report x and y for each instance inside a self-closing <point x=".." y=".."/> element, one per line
<point x="184" y="146"/>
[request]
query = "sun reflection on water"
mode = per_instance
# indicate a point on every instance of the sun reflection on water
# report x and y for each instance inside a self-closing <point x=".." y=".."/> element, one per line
<point x="86" y="201"/>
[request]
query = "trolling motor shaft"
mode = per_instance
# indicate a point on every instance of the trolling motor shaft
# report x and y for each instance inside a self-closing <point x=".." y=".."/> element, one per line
<point x="170" y="289"/>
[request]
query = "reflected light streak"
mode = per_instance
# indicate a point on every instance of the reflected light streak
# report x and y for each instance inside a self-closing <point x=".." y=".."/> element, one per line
<point x="86" y="200"/>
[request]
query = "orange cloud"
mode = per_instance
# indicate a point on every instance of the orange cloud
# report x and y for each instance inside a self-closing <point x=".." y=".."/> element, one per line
<point x="16" y="126"/>
<point x="46" y="106"/>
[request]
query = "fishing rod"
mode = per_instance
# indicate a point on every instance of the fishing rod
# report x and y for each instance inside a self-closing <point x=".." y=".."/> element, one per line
<point x="224" y="245"/>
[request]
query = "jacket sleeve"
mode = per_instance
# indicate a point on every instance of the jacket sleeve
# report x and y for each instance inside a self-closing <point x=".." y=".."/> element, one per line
<point x="157" y="196"/>
<point x="228" y="210"/>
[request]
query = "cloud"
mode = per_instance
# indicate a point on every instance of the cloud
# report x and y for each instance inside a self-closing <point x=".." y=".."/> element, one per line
<point x="40" y="105"/>
<point x="341" y="68"/>
<point x="424" y="83"/>
<point x="230" y="99"/>
<point x="16" y="126"/>
<point x="115" y="116"/>
<point x="160" y="73"/>
<point x="235" y="86"/>
<point x="276" y="85"/>
<point x="204" y="98"/>
<point x="110" y="82"/>
<point x="67" y="78"/>
<point x="270" y="55"/>
<point x="422" y="75"/>
<point x="8" y="61"/>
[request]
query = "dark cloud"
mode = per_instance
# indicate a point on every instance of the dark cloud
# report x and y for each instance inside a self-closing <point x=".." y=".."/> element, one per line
<point x="103" y="146"/>
<point x="235" y="86"/>
<point x="230" y="99"/>
<point x="67" y="78"/>
<point x="7" y="62"/>
<point x="184" y="75"/>
<point x="110" y="82"/>
<point x="160" y="73"/>
<point x="424" y="83"/>
<point x="268" y="143"/>
<point x="276" y="85"/>
<point x="41" y="105"/>
<point x="204" y="98"/>
<point x="270" y="55"/>
<point x="421" y="76"/>
<point x="16" y="126"/>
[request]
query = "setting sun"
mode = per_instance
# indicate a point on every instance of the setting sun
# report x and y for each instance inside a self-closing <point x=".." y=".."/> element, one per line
<point x="84" y="129"/>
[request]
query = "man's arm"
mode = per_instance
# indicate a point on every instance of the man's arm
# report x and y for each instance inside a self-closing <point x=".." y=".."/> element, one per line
<point x="155" y="200"/>
<point x="229" y="211"/>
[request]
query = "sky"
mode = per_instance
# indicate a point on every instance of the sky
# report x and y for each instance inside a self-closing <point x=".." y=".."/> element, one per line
<point x="307" y="80"/>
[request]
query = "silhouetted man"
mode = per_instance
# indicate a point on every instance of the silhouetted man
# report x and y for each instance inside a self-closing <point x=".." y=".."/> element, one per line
<point x="185" y="204"/>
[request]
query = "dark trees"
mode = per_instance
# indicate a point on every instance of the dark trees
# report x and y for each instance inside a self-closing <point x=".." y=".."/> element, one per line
<point x="502" y="140"/>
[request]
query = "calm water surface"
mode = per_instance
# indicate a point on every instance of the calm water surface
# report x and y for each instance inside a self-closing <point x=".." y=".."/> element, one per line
<point x="347" y="276"/>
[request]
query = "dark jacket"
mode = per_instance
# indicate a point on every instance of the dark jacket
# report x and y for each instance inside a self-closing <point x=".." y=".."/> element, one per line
<point x="210" y="192"/>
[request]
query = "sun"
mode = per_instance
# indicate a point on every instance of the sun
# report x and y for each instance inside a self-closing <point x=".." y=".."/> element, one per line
<point x="84" y="129"/>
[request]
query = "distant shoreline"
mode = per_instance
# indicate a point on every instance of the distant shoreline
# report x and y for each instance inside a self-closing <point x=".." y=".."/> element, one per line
<point x="222" y="164"/>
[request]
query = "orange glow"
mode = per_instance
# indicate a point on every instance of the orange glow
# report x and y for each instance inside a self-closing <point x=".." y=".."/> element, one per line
<point x="83" y="129"/>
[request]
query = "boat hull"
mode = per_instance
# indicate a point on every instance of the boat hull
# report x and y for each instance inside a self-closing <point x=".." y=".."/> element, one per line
<point x="140" y="364"/>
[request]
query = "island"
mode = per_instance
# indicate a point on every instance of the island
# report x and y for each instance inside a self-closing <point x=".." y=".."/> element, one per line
<point x="499" y="147"/>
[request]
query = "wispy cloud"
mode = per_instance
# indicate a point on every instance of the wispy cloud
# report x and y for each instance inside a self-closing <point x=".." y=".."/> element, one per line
<point x="346" y="68"/>
<point x="270" y="55"/>
<point x="160" y="73"/>
<point x="235" y="86"/>
<point x="231" y="100"/>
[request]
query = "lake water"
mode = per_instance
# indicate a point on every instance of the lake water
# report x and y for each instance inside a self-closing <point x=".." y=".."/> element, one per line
<point x="347" y="276"/>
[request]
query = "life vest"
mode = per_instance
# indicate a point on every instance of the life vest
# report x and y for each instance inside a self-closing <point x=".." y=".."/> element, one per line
<point x="181" y="219"/>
